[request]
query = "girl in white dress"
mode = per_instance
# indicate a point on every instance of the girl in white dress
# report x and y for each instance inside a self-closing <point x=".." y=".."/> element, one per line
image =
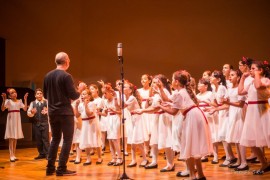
<point x="147" y="118"/>
<point x="77" y="127"/>
<point x="256" y="131"/>
<point x="161" y="137"/>
<point x="205" y="99"/>
<point x="220" y="93"/>
<point x="113" y="112"/>
<point x="195" y="137"/>
<point x="136" y="135"/>
<point x="102" y="119"/>
<point x="90" y="133"/>
<point x="13" y="126"/>
<point x="236" y="118"/>
<point x="244" y="67"/>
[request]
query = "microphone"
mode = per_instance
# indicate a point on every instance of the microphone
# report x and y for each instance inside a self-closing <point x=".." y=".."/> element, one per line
<point x="119" y="51"/>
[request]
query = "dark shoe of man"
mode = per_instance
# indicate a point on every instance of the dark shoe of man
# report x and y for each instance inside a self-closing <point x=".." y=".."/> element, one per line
<point x="50" y="171"/>
<point x="65" y="173"/>
<point x="40" y="157"/>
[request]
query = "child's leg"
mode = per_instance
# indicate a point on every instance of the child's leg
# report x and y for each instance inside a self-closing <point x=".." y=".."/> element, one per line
<point x="103" y="140"/>
<point x="88" y="155"/>
<point x="169" y="158"/>
<point x="112" y="149"/>
<point x="141" y="148"/>
<point x="190" y="164"/>
<point x="11" y="155"/>
<point x="78" y="153"/>
<point x="126" y="152"/>
<point x="98" y="149"/>
<point x="14" y="147"/>
<point x="154" y="152"/>
<point x="215" y="152"/>
<point x="198" y="164"/>
<point x="116" y="144"/>
<point x="133" y="154"/>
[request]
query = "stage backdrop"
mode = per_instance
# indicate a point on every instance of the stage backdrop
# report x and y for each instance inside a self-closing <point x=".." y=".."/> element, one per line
<point x="158" y="36"/>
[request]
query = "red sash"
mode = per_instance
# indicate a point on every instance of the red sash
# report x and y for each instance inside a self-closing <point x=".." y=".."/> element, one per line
<point x="89" y="118"/>
<point x="13" y="111"/>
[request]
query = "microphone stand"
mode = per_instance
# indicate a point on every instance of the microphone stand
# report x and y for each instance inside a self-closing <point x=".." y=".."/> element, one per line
<point x="121" y="60"/>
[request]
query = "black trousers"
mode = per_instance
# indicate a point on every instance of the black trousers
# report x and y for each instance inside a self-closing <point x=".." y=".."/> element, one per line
<point x="60" y="124"/>
<point x="42" y="138"/>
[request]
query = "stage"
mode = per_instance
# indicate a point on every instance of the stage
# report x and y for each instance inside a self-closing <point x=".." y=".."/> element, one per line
<point x="28" y="168"/>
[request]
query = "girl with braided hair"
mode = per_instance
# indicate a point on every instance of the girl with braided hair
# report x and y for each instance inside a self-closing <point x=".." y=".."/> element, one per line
<point x="195" y="138"/>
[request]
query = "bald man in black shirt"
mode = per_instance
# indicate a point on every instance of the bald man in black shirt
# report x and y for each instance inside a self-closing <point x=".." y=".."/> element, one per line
<point x="59" y="90"/>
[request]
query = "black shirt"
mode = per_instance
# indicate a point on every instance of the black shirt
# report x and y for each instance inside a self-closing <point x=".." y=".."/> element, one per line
<point x="59" y="90"/>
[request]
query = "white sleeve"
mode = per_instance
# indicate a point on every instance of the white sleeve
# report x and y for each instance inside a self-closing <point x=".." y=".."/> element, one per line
<point x="29" y="110"/>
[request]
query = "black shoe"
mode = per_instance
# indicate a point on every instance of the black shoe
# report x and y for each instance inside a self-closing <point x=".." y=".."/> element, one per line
<point x="204" y="160"/>
<point x="223" y="165"/>
<point x="251" y="159"/>
<point x="110" y="163"/>
<point x="65" y="173"/>
<point x="151" y="167"/>
<point x="99" y="162"/>
<point x="16" y="159"/>
<point x="118" y="164"/>
<point x="50" y="171"/>
<point x="179" y="174"/>
<point x="143" y="165"/>
<point x="214" y="162"/>
<point x="242" y="169"/>
<point x="255" y="161"/>
<point x="202" y="178"/>
<point x="168" y="170"/>
<point x="92" y="153"/>
<point x="261" y="172"/>
<point x="132" y="165"/>
<point x="233" y="165"/>
<point x="12" y="160"/>
<point x="233" y="160"/>
<point x="40" y="157"/>
<point x="72" y="160"/>
<point x="223" y="157"/>
<point x="87" y="163"/>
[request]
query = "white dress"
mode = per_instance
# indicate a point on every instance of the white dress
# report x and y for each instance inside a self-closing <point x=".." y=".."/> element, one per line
<point x="195" y="136"/>
<point x="14" y="122"/>
<point x="77" y="127"/>
<point x="90" y="133"/>
<point x="236" y="118"/>
<point x="165" y="139"/>
<point x="136" y="134"/>
<point x="102" y="119"/>
<point x="256" y="131"/>
<point x="147" y="117"/>
<point x="223" y="115"/>
<point x="211" y="118"/>
<point x="177" y="121"/>
<point x="113" y="125"/>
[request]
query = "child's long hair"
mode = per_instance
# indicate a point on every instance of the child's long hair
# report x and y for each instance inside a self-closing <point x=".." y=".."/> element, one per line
<point x="264" y="65"/>
<point x="247" y="61"/>
<point x="182" y="77"/>
<point x="165" y="81"/>
<point x="238" y="74"/>
<point x="206" y="82"/>
<point x="135" y="92"/>
<point x="219" y="74"/>
<point x="89" y="93"/>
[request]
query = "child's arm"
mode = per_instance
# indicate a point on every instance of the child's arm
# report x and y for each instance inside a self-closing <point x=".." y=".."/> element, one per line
<point x="88" y="112"/>
<point x="241" y="90"/>
<point x="76" y="112"/>
<point x="25" y="101"/>
<point x="4" y="97"/>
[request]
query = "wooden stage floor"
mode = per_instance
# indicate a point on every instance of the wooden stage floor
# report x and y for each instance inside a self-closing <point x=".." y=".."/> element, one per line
<point x="28" y="168"/>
